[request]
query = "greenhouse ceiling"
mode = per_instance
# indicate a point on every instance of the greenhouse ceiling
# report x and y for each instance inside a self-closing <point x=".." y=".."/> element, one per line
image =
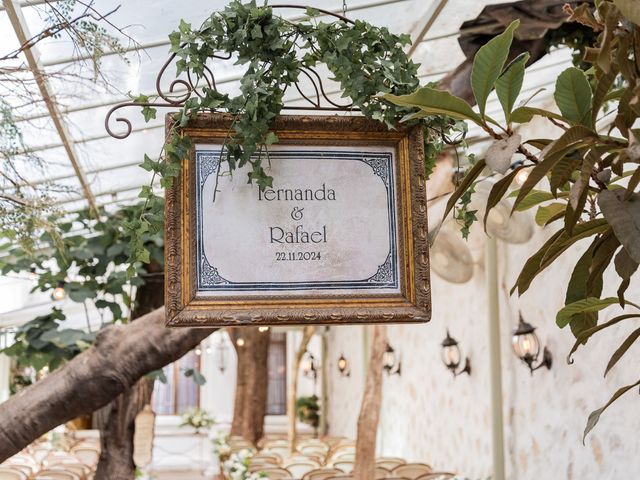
<point x="66" y="128"/>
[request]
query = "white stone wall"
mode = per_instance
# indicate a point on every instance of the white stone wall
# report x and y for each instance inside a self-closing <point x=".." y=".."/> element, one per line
<point x="427" y="415"/>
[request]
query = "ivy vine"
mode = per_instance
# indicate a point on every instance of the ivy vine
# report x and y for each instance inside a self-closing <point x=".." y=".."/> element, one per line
<point x="363" y="59"/>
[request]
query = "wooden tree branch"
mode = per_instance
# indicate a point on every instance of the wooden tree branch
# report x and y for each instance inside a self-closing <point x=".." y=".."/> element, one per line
<point x="369" y="417"/>
<point x="292" y="392"/>
<point x="120" y="356"/>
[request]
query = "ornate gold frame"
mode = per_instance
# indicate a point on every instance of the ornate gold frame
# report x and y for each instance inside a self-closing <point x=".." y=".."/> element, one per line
<point x="413" y="304"/>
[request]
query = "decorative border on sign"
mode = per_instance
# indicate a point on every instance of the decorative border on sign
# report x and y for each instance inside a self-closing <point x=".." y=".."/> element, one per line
<point x="386" y="276"/>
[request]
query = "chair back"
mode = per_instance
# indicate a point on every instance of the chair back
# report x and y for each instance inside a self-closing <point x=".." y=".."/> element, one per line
<point x="412" y="470"/>
<point x="277" y="473"/>
<point x="437" y="476"/>
<point x="281" y="450"/>
<point x="77" y="468"/>
<point x="345" y="466"/>
<point x="7" y="472"/>
<point x="56" y="475"/>
<point x="381" y="472"/>
<point x="341" y="477"/>
<point x="321" y="474"/>
<point x="299" y="469"/>
<point x="87" y="455"/>
<point x="343" y="455"/>
<point x="389" y="462"/>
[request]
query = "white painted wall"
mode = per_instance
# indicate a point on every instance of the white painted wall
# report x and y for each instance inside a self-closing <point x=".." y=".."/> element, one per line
<point x="427" y="415"/>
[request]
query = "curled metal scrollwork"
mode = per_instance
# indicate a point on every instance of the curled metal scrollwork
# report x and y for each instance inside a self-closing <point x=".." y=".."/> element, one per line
<point x="181" y="89"/>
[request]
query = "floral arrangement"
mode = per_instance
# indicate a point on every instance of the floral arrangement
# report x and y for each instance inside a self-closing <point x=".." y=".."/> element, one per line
<point x="221" y="447"/>
<point x="197" y="418"/>
<point x="237" y="467"/>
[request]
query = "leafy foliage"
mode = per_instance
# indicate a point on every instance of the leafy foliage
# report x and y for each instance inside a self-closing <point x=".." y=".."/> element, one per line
<point x="585" y="179"/>
<point x="308" y="410"/>
<point x="363" y="59"/>
<point x="89" y="262"/>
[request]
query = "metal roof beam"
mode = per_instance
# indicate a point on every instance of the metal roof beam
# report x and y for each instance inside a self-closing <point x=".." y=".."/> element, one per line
<point x="425" y="24"/>
<point x="21" y="29"/>
<point x="166" y="43"/>
<point x="29" y="3"/>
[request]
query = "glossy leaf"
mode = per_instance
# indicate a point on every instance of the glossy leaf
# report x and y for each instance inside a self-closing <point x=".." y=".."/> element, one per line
<point x="435" y="102"/>
<point x="526" y="114"/>
<point x="586" y="334"/>
<point x="509" y="84"/>
<point x="466" y="182"/>
<point x="552" y="154"/>
<point x="533" y="198"/>
<point x="591" y="304"/>
<point x="573" y="96"/>
<point x="594" y="417"/>
<point x="532" y="266"/>
<point x="498" y="191"/>
<point x="624" y="217"/>
<point x="547" y="212"/>
<point x="629" y="9"/>
<point x="488" y="64"/>
<point x="622" y="349"/>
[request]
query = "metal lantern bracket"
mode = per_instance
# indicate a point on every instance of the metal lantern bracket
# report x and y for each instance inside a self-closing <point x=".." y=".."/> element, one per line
<point x="181" y="89"/>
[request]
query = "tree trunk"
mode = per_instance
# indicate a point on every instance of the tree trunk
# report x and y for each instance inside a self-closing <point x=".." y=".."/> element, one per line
<point x="252" y="381"/>
<point x="116" y="421"/>
<point x="292" y="392"/>
<point x="119" y="357"/>
<point x="116" y="434"/>
<point x="370" y="409"/>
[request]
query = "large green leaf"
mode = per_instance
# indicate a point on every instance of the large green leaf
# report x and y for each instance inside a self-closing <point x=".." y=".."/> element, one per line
<point x="622" y="349"/>
<point x="547" y="212"/>
<point x="594" y="417"/>
<point x="603" y="86"/>
<point x="435" y="102"/>
<point x="624" y="217"/>
<point x="555" y="151"/>
<point x="525" y="114"/>
<point x="582" y="338"/>
<point x="577" y="290"/>
<point x="533" y="198"/>
<point x="509" y="84"/>
<point x="564" y="241"/>
<point x="573" y="96"/>
<point x="466" y="182"/>
<point x="497" y="192"/>
<point x="488" y="64"/>
<point x="591" y="304"/>
<point x="629" y="10"/>
<point x="532" y="265"/>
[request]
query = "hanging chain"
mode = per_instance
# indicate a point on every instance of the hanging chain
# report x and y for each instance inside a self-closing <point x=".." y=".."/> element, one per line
<point x="344" y="8"/>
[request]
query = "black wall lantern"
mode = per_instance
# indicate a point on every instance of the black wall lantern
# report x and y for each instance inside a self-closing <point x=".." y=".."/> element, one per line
<point x="451" y="356"/>
<point x="309" y="366"/>
<point x="526" y="346"/>
<point x="343" y="366"/>
<point x="221" y="353"/>
<point x="390" y="362"/>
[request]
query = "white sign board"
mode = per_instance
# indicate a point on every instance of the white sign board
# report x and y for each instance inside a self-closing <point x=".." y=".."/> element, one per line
<point x="327" y="226"/>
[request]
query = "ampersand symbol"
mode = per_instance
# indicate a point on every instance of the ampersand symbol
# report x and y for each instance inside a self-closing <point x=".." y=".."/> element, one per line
<point x="297" y="214"/>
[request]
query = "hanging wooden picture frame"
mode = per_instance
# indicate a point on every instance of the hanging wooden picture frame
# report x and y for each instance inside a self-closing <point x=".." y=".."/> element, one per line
<point x="340" y="238"/>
